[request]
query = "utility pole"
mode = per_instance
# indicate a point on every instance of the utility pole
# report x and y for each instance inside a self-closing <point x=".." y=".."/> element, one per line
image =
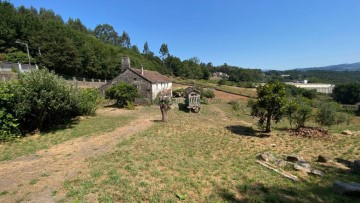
<point x="27" y="49"/>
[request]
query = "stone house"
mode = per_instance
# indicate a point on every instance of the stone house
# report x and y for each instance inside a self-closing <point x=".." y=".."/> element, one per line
<point x="149" y="83"/>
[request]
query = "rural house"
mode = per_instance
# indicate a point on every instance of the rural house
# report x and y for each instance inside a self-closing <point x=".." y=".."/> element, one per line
<point x="149" y="83"/>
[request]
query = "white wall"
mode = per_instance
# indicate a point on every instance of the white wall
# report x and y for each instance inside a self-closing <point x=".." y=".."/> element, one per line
<point x="158" y="87"/>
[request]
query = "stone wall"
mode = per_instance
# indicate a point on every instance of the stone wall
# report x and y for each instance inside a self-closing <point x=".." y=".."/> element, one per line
<point x="143" y="86"/>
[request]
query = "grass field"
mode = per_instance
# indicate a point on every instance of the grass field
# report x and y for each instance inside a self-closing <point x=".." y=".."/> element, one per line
<point x="103" y="122"/>
<point x="210" y="157"/>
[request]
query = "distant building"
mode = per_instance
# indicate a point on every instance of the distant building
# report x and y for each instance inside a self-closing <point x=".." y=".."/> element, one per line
<point x="323" y="88"/>
<point x="221" y="75"/>
<point x="149" y="83"/>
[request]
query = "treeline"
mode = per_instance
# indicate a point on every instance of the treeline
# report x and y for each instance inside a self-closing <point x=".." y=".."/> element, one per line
<point x="70" y="48"/>
<point x="237" y="74"/>
<point x="316" y="76"/>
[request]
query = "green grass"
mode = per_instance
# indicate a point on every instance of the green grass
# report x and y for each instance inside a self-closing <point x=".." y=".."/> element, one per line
<point x="88" y="126"/>
<point x="248" y="92"/>
<point x="210" y="157"/>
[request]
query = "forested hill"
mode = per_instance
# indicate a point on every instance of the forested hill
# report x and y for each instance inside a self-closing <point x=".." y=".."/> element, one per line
<point x="339" y="67"/>
<point x="70" y="48"/>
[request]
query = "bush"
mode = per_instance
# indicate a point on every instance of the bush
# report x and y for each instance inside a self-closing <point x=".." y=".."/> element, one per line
<point x="303" y="113"/>
<point x="327" y="114"/>
<point x="9" y="125"/>
<point x="88" y="101"/>
<point x="235" y="105"/>
<point x="122" y="93"/>
<point x="43" y="100"/>
<point x="208" y="93"/>
<point x="39" y="100"/>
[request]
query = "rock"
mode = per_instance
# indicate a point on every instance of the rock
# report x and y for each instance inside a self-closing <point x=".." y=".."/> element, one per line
<point x="347" y="132"/>
<point x="273" y="145"/>
<point x="356" y="167"/>
<point x="322" y="159"/>
<point x="351" y="189"/>
<point x="317" y="172"/>
<point x="293" y="158"/>
<point x="303" y="166"/>
<point x="281" y="163"/>
<point x="347" y="163"/>
<point x="266" y="156"/>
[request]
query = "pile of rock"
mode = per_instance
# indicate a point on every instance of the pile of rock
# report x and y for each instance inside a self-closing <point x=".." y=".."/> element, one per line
<point x="354" y="166"/>
<point x="310" y="132"/>
<point x="296" y="162"/>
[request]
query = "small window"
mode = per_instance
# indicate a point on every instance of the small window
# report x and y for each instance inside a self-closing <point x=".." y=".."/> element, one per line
<point x="135" y="79"/>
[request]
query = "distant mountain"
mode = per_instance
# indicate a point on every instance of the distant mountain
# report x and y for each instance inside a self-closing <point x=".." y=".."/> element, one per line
<point x="340" y="67"/>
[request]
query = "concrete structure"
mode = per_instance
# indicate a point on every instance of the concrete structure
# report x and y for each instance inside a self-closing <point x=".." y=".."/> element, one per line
<point x="8" y="66"/>
<point x="323" y="88"/>
<point x="149" y="83"/>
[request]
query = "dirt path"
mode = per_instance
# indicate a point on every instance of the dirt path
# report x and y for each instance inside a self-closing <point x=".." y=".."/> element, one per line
<point x="36" y="178"/>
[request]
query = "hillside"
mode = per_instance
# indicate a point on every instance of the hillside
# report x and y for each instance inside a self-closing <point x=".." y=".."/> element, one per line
<point x="339" y="67"/>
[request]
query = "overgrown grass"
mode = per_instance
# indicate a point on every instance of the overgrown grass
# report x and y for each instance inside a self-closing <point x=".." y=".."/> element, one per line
<point x="210" y="157"/>
<point x="86" y="126"/>
<point x="248" y="92"/>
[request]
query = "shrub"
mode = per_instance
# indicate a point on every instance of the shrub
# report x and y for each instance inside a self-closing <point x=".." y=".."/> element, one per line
<point x="327" y="114"/>
<point x="303" y="113"/>
<point x="235" y="105"/>
<point x="208" y="93"/>
<point x="122" y="93"/>
<point x="42" y="100"/>
<point x="9" y="125"/>
<point x="87" y="102"/>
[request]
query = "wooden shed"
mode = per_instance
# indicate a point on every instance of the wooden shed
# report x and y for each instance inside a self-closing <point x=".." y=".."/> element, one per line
<point x="192" y="99"/>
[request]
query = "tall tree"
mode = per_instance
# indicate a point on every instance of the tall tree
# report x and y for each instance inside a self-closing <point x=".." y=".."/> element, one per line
<point x="107" y="34"/>
<point x="146" y="49"/>
<point x="164" y="51"/>
<point x="270" y="104"/>
<point x="125" y="39"/>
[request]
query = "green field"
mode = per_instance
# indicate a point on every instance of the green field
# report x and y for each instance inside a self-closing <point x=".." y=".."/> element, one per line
<point x="210" y="157"/>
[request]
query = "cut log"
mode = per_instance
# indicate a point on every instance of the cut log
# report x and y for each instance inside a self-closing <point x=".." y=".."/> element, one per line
<point x="280" y="171"/>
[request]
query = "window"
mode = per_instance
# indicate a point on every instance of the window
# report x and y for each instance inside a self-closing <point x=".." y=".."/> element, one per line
<point x="135" y="79"/>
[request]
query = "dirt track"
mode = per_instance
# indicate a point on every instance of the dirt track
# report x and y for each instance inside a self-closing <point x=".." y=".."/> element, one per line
<point x="35" y="178"/>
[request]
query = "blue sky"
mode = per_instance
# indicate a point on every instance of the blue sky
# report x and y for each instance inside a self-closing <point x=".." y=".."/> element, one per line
<point x="266" y="34"/>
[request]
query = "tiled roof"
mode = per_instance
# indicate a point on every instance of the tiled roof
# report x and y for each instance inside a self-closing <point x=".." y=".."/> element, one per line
<point x="152" y="76"/>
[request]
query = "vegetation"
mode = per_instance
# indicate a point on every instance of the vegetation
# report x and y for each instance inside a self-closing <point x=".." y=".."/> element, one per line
<point x="40" y="100"/>
<point x="203" y="158"/>
<point x="123" y="93"/>
<point x="269" y="104"/>
<point x="347" y="93"/>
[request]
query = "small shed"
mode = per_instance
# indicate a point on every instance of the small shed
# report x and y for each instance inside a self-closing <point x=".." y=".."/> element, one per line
<point x="192" y="99"/>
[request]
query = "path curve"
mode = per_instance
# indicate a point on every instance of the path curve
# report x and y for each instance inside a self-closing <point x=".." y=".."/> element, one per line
<point x="34" y="178"/>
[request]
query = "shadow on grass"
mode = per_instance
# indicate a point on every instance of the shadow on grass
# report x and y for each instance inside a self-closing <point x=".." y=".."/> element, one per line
<point x="258" y="192"/>
<point x="157" y="121"/>
<point x="183" y="107"/>
<point x="67" y="125"/>
<point x="246" y="131"/>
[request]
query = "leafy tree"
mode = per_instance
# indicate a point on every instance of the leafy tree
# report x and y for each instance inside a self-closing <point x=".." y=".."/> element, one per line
<point x="146" y="49"/>
<point x="122" y="93"/>
<point x="347" y="93"/>
<point x="77" y="25"/>
<point x="107" y="34"/>
<point x="270" y="104"/>
<point x="164" y="51"/>
<point x="125" y="40"/>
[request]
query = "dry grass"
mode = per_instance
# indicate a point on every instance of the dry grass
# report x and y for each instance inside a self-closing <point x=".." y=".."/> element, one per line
<point x="210" y="157"/>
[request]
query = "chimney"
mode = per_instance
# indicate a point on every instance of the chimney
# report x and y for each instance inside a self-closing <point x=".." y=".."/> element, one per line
<point x="142" y="70"/>
<point x="125" y="62"/>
